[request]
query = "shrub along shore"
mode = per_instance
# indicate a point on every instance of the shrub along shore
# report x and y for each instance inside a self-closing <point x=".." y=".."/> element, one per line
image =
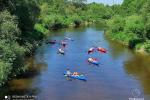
<point x="130" y="24"/>
<point x="25" y="23"/>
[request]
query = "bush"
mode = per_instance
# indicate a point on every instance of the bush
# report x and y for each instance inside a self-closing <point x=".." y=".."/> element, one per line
<point x="40" y="28"/>
<point x="135" y="25"/>
<point x="147" y="29"/>
<point x="11" y="53"/>
<point x="8" y="27"/>
<point x="5" y="70"/>
<point x="134" y="42"/>
<point x="116" y="24"/>
<point x="128" y="30"/>
<point x="147" y="46"/>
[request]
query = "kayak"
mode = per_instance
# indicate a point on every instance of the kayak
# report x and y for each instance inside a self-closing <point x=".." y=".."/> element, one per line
<point x="91" y="50"/>
<point x="51" y="42"/>
<point x="61" y="51"/>
<point x="67" y="38"/>
<point x="101" y="50"/>
<point x="63" y="43"/>
<point x="79" y="77"/>
<point x="93" y="61"/>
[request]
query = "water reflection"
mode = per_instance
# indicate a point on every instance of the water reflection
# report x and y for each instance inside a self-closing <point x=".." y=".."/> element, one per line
<point x="23" y="84"/>
<point x="116" y="49"/>
<point x="139" y="67"/>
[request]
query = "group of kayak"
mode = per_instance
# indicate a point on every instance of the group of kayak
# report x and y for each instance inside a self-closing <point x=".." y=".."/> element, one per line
<point x="63" y="44"/>
<point x="92" y="60"/>
<point x="99" y="49"/>
<point x="61" y="50"/>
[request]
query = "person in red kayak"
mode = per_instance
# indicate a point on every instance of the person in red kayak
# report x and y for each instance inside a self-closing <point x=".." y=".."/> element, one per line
<point x="94" y="59"/>
<point x="91" y="50"/>
<point x="63" y="43"/>
<point x="101" y="50"/>
<point x="51" y="42"/>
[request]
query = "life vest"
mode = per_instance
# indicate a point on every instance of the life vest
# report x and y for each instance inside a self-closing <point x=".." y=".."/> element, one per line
<point x="75" y="73"/>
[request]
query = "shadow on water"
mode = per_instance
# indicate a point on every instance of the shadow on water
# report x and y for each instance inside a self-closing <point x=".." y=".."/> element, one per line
<point x="136" y="65"/>
<point x="116" y="49"/>
<point x="22" y="85"/>
<point x="139" y="67"/>
<point x="34" y="68"/>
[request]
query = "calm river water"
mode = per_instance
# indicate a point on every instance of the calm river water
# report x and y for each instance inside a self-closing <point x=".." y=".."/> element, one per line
<point x="122" y="73"/>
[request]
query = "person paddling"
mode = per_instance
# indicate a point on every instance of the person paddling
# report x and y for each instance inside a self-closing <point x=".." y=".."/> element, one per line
<point x="75" y="74"/>
<point x="63" y="43"/>
<point x="61" y="51"/>
<point x="100" y="49"/>
<point x="68" y="73"/>
<point x="92" y="49"/>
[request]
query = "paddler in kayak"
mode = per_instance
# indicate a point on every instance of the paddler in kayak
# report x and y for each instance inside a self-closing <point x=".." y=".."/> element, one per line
<point x="100" y="49"/>
<point x="63" y="43"/>
<point x="68" y="38"/>
<point x="93" y="61"/>
<point x="61" y="51"/>
<point x="68" y="73"/>
<point x="75" y="74"/>
<point x="51" y="42"/>
<point x="91" y="50"/>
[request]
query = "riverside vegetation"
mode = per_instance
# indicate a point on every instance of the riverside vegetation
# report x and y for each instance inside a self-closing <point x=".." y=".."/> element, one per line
<point x="130" y="24"/>
<point x="24" y="23"/>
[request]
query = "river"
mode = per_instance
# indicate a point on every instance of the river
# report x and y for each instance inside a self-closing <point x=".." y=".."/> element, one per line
<point x="122" y="73"/>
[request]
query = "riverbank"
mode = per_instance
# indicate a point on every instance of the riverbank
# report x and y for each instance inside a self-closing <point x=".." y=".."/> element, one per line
<point x="56" y="26"/>
<point x="131" y="26"/>
<point x="139" y="48"/>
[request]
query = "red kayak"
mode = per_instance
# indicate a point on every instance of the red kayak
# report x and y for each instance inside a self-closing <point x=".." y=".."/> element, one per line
<point x="100" y="49"/>
<point x="63" y="43"/>
<point x="51" y="42"/>
<point x="92" y="49"/>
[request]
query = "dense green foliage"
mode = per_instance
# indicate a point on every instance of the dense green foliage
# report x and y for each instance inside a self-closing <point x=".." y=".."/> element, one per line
<point x="131" y="24"/>
<point x="18" y="37"/>
<point x="24" y="23"/>
<point x="10" y="51"/>
<point x="60" y="14"/>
